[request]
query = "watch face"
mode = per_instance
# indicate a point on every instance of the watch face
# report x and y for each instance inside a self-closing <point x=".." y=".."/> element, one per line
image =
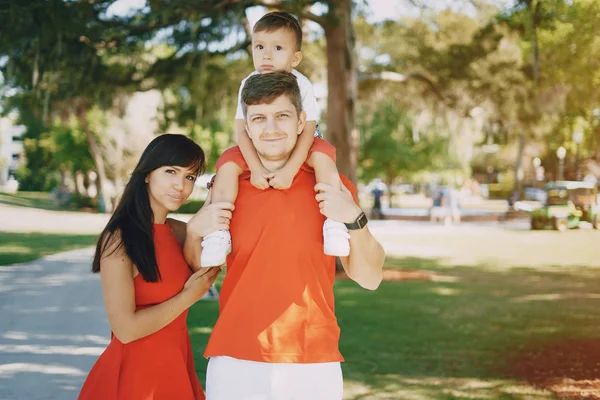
<point x="362" y="220"/>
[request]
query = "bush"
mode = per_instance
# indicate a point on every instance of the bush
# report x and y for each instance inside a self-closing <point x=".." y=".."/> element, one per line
<point x="190" y="207"/>
<point x="499" y="192"/>
<point x="83" y="203"/>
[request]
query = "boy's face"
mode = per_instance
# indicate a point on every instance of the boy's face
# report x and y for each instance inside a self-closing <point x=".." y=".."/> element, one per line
<point x="275" y="51"/>
<point x="274" y="128"/>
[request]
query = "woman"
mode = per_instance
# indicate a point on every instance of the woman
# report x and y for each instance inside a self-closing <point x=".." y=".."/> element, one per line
<point x="147" y="285"/>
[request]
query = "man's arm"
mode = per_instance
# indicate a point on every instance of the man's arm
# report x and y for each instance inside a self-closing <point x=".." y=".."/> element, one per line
<point x="210" y="217"/>
<point x="364" y="264"/>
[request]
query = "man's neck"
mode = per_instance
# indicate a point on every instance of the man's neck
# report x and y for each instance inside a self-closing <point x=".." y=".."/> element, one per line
<point x="273" y="165"/>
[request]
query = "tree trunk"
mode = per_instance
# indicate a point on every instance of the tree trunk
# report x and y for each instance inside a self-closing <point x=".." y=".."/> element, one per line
<point x="519" y="163"/>
<point x="389" y="182"/>
<point x="103" y="202"/>
<point x="535" y="13"/>
<point x="342" y="87"/>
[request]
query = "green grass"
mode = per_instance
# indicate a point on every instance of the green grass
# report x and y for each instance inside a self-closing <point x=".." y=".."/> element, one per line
<point x="495" y="295"/>
<point x="17" y="247"/>
<point x="41" y="200"/>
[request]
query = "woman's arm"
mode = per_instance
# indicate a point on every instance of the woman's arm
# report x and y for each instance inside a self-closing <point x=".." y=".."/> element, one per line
<point x="209" y="218"/>
<point x="127" y="324"/>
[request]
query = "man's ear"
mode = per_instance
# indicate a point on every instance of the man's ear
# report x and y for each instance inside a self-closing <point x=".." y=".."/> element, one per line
<point x="301" y="122"/>
<point x="297" y="59"/>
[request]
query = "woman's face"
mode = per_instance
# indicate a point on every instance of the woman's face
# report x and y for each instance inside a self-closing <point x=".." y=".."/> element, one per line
<point x="169" y="187"/>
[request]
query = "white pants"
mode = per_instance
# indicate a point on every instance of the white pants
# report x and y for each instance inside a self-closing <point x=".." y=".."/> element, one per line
<point x="232" y="379"/>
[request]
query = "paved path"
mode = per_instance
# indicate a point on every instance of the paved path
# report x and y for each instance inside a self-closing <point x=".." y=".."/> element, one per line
<point x="52" y="320"/>
<point x="52" y="326"/>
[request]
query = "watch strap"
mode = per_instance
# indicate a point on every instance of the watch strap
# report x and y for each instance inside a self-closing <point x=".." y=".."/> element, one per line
<point x="361" y="222"/>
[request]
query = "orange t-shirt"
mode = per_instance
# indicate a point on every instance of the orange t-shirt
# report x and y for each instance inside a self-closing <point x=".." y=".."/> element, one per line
<point x="276" y="302"/>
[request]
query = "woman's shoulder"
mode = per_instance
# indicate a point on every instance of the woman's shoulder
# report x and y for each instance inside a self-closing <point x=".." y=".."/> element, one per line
<point x="111" y="244"/>
<point x="113" y="254"/>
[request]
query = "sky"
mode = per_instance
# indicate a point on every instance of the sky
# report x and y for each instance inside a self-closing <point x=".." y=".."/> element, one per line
<point x="380" y="9"/>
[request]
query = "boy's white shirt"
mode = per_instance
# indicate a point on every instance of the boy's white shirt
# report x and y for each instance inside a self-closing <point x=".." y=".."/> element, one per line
<point x="309" y="103"/>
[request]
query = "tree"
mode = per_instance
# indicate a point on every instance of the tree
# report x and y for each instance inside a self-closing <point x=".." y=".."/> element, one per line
<point x="58" y="60"/>
<point x="392" y="149"/>
<point x="196" y="25"/>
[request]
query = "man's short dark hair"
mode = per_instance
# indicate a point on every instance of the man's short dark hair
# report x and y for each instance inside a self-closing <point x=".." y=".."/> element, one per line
<point x="280" y="20"/>
<point x="265" y="88"/>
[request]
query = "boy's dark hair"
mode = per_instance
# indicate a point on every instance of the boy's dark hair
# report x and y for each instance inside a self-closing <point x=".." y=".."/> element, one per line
<point x="280" y="20"/>
<point x="265" y="88"/>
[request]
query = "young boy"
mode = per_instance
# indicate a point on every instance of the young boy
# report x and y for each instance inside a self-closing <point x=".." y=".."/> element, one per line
<point x="276" y="46"/>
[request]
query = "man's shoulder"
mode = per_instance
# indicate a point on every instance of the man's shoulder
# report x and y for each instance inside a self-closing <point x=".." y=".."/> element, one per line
<point x="232" y="154"/>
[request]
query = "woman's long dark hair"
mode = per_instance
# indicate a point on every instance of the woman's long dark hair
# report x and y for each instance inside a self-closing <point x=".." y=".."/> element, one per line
<point x="133" y="218"/>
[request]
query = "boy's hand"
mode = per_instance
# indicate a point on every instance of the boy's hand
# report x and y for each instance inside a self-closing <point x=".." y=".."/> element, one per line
<point x="258" y="180"/>
<point x="281" y="179"/>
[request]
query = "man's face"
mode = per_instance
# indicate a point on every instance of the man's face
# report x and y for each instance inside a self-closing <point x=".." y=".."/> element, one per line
<point x="275" y="51"/>
<point x="274" y="128"/>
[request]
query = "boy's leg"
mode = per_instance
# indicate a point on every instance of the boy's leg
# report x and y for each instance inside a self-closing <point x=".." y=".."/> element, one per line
<point x="335" y="234"/>
<point x="217" y="245"/>
<point x="325" y="169"/>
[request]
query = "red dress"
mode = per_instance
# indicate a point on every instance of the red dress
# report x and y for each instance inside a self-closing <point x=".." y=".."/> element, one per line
<point x="159" y="366"/>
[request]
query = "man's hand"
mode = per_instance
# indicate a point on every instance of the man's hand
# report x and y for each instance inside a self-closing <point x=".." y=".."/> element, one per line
<point x="337" y="204"/>
<point x="281" y="179"/>
<point x="258" y="180"/>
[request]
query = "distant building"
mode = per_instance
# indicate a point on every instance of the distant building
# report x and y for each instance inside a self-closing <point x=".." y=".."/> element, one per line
<point x="11" y="148"/>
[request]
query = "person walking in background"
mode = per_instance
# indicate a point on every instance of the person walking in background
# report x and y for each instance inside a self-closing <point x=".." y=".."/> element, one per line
<point x="378" y="191"/>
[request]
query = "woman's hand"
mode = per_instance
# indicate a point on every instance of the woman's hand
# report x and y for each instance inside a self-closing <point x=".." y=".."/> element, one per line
<point x="198" y="284"/>
<point x="210" y="218"/>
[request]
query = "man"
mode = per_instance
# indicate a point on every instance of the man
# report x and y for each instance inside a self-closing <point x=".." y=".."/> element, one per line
<point x="277" y="334"/>
<point x="377" y="192"/>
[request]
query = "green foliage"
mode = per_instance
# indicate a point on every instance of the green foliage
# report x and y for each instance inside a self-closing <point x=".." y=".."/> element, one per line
<point x="68" y="57"/>
<point x="391" y="148"/>
<point x="190" y="207"/>
<point x="62" y="147"/>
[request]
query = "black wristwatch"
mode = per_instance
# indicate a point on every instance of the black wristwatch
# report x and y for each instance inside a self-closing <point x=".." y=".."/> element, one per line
<point x="361" y="222"/>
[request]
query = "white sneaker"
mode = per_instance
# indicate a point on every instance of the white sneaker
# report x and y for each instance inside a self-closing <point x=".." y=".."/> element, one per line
<point x="215" y="248"/>
<point x="336" y="238"/>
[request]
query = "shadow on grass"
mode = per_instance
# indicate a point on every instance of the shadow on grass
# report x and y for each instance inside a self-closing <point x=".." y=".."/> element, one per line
<point x="39" y="200"/>
<point x="18" y="247"/>
<point x="457" y="338"/>
<point x="201" y="319"/>
<point x="449" y="339"/>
